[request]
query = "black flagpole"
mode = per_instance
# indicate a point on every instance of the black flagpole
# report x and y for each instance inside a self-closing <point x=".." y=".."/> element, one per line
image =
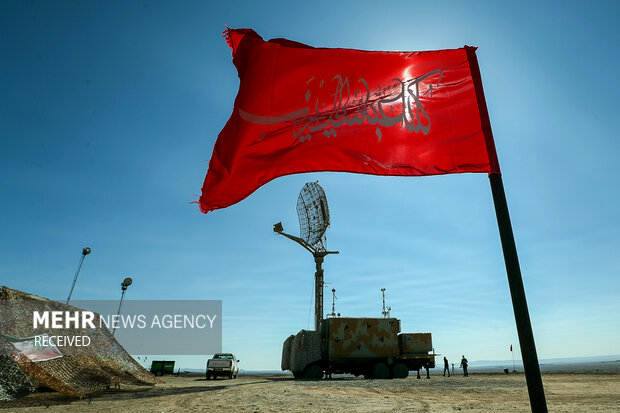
<point x="519" y="302"/>
<point x="513" y="271"/>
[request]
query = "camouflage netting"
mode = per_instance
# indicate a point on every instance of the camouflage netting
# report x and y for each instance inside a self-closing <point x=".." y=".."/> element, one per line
<point x="305" y="350"/>
<point x="286" y="353"/>
<point x="79" y="372"/>
<point x="13" y="382"/>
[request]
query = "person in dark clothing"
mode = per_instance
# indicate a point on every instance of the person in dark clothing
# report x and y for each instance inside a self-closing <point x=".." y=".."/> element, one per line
<point x="464" y="366"/>
<point x="445" y="367"/>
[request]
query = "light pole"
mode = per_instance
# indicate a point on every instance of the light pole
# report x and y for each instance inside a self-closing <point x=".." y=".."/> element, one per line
<point x="85" y="252"/>
<point x="126" y="283"/>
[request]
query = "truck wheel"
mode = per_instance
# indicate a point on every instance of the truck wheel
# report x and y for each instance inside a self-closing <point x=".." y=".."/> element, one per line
<point x="313" y="372"/>
<point x="400" y="371"/>
<point x="380" y="371"/>
<point x="159" y="373"/>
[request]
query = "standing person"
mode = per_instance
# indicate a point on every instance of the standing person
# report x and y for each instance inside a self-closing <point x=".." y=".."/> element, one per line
<point x="464" y="366"/>
<point x="446" y="367"/>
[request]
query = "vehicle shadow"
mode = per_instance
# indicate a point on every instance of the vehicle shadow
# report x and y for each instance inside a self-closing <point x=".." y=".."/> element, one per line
<point x="334" y="378"/>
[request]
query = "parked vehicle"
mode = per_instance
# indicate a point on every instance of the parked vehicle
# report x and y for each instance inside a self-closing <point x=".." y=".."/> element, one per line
<point x="222" y="364"/>
<point x="161" y="367"/>
<point x="373" y="347"/>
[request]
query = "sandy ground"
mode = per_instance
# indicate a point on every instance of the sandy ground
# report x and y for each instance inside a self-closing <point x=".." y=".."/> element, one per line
<point x="477" y="393"/>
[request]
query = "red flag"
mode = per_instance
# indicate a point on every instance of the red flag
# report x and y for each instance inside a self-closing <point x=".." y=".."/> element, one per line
<point x="305" y="109"/>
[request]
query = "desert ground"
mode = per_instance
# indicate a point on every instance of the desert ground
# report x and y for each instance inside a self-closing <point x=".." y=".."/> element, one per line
<point x="583" y="392"/>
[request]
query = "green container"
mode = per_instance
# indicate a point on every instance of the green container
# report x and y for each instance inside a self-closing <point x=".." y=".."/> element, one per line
<point x="159" y="368"/>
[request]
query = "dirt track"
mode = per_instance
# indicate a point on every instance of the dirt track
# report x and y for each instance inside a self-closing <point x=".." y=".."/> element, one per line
<point x="478" y="393"/>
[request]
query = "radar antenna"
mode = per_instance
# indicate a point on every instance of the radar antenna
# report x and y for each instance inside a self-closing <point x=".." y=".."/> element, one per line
<point x="385" y="312"/>
<point x="334" y="298"/>
<point x="313" y="214"/>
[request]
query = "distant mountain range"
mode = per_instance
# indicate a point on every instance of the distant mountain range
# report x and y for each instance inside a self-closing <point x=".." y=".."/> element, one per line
<point x="592" y="364"/>
<point x="604" y="364"/>
<point x="561" y="360"/>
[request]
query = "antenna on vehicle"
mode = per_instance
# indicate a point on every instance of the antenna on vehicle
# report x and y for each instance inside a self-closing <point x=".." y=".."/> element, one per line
<point x="334" y="298"/>
<point x="384" y="312"/>
<point x="313" y="214"/>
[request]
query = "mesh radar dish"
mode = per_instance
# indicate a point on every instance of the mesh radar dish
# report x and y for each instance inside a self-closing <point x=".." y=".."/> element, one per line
<point x="313" y="214"/>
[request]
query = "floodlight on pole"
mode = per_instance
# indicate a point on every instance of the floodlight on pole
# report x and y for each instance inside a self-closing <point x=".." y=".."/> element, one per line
<point x="85" y="252"/>
<point x="126" y="283"/>
<point x="313" y="214"/>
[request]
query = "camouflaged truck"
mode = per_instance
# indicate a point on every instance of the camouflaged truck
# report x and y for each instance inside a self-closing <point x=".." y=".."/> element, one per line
<point x="372" y="347"/>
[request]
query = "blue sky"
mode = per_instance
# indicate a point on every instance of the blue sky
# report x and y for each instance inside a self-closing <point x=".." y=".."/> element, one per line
<point x="108" y="116"/>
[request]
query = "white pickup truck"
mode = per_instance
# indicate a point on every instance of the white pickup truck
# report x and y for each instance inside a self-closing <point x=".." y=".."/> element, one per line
<point x="223" y="364"/>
